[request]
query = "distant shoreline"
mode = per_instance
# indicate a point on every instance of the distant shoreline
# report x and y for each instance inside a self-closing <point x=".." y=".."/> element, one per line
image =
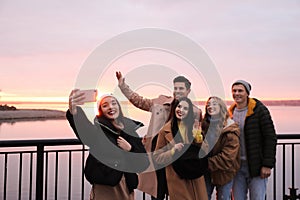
<point x="291" y="102"/>
<point x="31" y="114"/>
<point x="268" y="102"/>
<point x="43" y="114"/>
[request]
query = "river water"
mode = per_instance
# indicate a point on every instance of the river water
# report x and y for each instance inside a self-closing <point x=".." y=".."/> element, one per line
<point x="286" y="120"/>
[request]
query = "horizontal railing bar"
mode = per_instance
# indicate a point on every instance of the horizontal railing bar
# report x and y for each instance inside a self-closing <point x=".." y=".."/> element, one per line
<point x="16" y="152"/>
<point x="70" y="142"/>
<point x="45" y="142"/>
<point x="79" y="150"/>
<point x="49" y="151"/>
<point x="63" y="150"/>
<point x="287" y="143"/>
<point x="54" y="142"/>
<point x="288" y="136"/>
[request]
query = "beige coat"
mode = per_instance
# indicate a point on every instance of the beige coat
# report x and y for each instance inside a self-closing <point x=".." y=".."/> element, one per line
<point x="179" y="189"/>
<point x="106" y="192"/>
<point x="160" y="109"/>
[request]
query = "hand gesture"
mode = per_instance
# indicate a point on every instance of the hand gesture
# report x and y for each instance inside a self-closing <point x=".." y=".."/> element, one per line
<point x="120" y="78"/>
<point x="144" y="140"/>
<point x="123" y="144"/>
<point x="75" y="98"/>
<point x="178" y="146"/>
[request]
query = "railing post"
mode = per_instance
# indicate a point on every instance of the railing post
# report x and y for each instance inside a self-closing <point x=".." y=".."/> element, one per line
<point x="39" y="171"/>
<point x="293" y="191"/>
<point x="293" y="194"/>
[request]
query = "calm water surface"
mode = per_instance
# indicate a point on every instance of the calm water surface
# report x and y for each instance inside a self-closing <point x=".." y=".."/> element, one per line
<point x="286" y="120"/>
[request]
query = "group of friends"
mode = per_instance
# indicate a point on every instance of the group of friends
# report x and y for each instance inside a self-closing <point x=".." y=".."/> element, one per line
<point x="188" y="154"/>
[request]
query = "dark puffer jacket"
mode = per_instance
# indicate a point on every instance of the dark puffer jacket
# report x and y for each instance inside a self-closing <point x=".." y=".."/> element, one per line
<point x="260" y="137"/>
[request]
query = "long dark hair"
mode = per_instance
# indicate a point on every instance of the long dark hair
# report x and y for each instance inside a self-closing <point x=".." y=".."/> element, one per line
<point x="188" y="120"/>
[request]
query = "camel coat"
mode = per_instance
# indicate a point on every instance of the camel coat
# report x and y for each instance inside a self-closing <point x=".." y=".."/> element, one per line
<point x="179" y="189"/>
<point x="105" y="192"/>
<point x="160" y="109"/>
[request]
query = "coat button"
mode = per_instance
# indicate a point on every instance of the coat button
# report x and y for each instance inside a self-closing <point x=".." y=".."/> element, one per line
<point x="116" y="164"/>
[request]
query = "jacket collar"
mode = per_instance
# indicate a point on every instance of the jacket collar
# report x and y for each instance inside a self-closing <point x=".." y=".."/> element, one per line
<point x="163" y="100"/>
<point x="233" y="127"/>
<point x="129" y="124"/>
<point x="167" y="129"/>
<point x="251" y="106"/>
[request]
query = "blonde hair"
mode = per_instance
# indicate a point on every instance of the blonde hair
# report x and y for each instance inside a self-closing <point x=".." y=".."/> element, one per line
<point x="222" y="116"/>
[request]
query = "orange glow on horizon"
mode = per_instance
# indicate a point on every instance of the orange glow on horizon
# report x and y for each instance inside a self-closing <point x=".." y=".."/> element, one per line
<point x="18" y="100"/>
<point x="6" y="100"/>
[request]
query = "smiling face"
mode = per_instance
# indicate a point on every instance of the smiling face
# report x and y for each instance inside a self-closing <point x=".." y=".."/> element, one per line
<point x="110" y="108"/>
<point x="182" y="110"/>
<point x="212" y="107"/>
<point x="239" y="94"/>
<point x="180" y="90"/>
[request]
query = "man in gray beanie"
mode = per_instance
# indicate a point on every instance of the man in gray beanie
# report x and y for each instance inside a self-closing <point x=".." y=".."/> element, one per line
<point x="245" y="84"/>
<point x="257" y="142"/>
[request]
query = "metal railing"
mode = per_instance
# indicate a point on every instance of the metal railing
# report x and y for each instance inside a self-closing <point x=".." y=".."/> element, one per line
<point x="41" y="178"/>
<point x="53" y="169"/>
<point x="286" y="153"/>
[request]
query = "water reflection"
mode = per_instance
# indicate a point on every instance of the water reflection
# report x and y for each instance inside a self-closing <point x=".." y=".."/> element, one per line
<point x="286" y="119"/>
<point x="35" y="129"/>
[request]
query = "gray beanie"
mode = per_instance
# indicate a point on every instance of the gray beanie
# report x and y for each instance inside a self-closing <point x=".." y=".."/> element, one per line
<point x="244" y="83"/>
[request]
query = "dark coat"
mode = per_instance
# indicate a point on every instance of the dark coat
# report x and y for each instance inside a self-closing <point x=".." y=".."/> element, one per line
<point x="260" y="137"/>
<point x="110" y="169"/>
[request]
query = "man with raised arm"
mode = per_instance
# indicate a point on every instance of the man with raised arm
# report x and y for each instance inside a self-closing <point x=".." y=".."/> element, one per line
<point x="152" y="182"/>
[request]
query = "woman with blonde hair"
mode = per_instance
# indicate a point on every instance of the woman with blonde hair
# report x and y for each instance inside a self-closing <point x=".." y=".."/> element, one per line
<point x="222" y="137"/>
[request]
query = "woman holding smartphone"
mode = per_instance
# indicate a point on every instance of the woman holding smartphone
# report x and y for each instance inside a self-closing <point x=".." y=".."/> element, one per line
<point x="112" y="138"/>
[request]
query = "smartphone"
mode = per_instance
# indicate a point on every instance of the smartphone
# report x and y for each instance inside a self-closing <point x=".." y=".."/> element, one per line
<point x="90" y="95"/>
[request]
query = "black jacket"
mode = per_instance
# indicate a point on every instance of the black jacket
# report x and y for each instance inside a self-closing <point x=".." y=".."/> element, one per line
<point x="260" y="137"/>
<point x="107" y="163"/>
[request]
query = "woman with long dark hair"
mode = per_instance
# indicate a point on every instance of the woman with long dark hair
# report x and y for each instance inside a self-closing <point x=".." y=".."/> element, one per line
<point x="176" y="150"/>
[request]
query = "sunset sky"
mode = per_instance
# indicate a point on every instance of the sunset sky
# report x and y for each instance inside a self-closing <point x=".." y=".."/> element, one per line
<point x="44" y="44"/>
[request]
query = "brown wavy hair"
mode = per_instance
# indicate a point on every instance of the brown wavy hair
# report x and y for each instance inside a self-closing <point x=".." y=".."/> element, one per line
<point x="221" y="117"/>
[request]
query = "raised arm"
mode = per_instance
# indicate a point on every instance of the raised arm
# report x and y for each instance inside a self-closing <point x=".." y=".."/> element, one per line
<point x="76" y="98"/>
<point x="137" y="100"/>
<point x="84" y="130"/>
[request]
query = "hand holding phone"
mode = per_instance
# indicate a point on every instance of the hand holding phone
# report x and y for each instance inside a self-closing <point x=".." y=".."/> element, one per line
<point x="89" y="95"/>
